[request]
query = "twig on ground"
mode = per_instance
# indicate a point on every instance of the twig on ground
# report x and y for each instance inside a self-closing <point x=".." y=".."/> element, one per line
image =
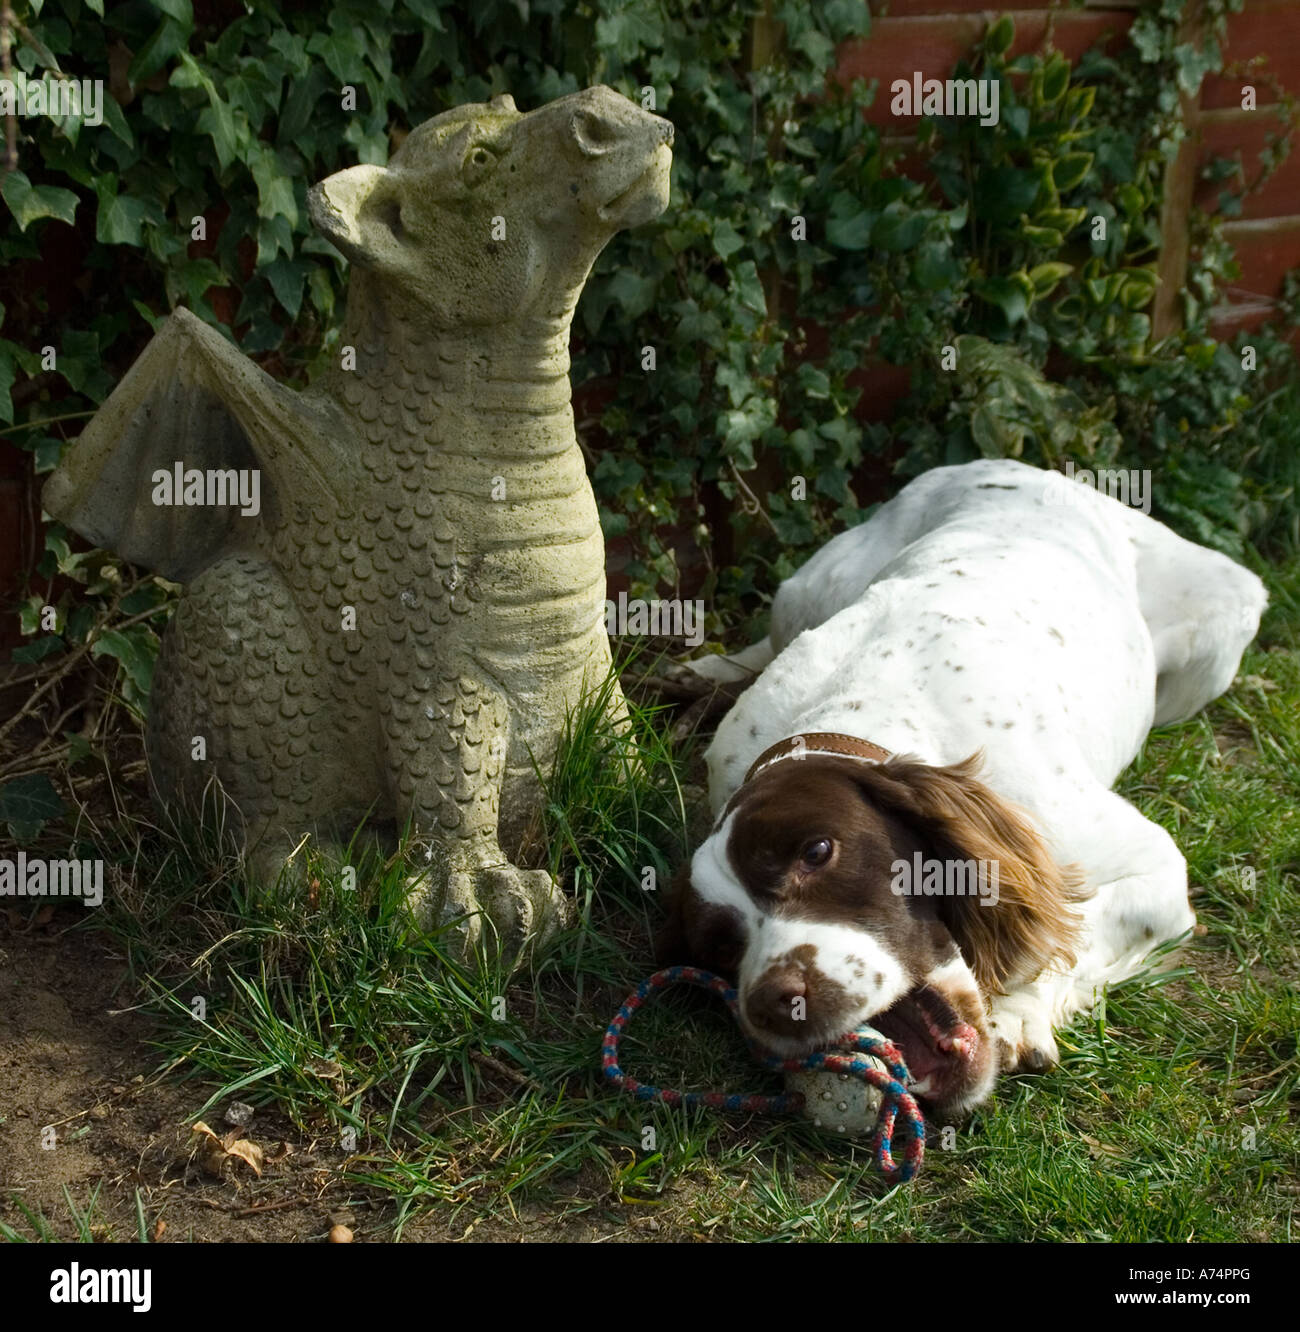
<point x="515" y="1076"/>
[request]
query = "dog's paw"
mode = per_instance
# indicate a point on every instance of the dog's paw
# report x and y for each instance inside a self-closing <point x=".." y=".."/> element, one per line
<point x="1024" y="1036"/>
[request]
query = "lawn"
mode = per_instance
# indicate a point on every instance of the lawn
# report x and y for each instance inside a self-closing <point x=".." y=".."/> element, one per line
<point x="406" y="1097"/>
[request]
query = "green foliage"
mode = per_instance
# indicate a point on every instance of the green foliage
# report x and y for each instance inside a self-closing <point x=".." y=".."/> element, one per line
<point x="760" y="327"/>
<point x="27" y="804"/>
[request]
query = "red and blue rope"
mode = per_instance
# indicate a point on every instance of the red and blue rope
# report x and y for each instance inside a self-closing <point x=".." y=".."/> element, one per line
<point x="848" y="1058"/>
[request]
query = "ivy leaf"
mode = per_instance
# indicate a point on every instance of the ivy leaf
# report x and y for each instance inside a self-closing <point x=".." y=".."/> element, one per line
<point x="132" y="652"/>
<point x="427" y="12"/>
<point x="181" y="10"/>
<point x="194" y="279"/>
<point x="27" y="804"/>
<point x="817" y="46"/>
<point x="847" y="18"/>
<point x="81" y="364"/>
<point x="898" y="228"/>
<point x="116" y="121"/>
<point x="987" y="433"/>
<point x="275" y="197"/>
<point x="850" y="233"/>
<point x="168" y="39"/>
<point x="1193" y="65"/>
<point x="634" y="292"/>
<point x="748" y="287"/>
<point x="29" y="202"/>
<point x="29" y="653"/>
<point x="935" y="266"/>
<point x="8" y="373"/>
<point x="696" y="325"/>
<point x="803" y="444"/>
<point x="217" y="118"/>
<point x="1002" y="193"/>
<point x="1018" y="119"/>
<point x="1007" y="296"/>
<point x="1147" y="36"/>
<point x="814" y="382"/>
<point x="218" y="122"/>
<point x="121" y="217"/>
<point x="46" y="453"/>
<point x="304" y="93"/>
<point x="154" y="321"/>
<point x="726" y="239"/>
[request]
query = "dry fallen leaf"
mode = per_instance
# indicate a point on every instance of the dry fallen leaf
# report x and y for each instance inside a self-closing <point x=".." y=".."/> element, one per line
<point x="1098" y="1150"/>
<point x="247" y="1151"/>
<point x="213" y="1151"/>
<point x="158" y="1227"/>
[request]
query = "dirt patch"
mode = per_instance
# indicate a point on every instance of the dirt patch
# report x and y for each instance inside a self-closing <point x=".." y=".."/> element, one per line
<point x="74" y="1058"/>
<point x="72" y="1062"/>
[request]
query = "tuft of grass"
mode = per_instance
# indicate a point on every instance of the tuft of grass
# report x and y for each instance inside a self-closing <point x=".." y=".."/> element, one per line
<point x="88" y="1225"/>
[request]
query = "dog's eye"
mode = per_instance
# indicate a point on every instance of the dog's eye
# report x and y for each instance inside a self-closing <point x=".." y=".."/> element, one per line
<point x="817" y="853"/>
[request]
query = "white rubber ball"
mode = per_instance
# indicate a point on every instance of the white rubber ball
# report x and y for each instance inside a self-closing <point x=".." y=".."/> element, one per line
<point x="839" y="1102"/>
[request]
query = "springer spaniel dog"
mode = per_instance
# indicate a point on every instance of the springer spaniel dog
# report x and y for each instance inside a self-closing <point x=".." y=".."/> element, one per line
<point x="914" y="817"/>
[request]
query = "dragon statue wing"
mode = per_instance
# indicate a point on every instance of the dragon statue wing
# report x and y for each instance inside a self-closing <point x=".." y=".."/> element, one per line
<point x="195" y="399"/>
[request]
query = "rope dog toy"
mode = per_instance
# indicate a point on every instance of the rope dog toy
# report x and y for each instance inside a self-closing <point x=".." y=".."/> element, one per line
<point x="848" y="1059"/>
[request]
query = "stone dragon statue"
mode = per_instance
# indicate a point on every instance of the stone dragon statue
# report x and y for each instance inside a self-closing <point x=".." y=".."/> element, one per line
<point x="401" y="628"/>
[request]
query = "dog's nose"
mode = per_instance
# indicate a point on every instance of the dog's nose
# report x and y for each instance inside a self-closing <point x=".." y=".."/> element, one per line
<point x="779" y="1001"/>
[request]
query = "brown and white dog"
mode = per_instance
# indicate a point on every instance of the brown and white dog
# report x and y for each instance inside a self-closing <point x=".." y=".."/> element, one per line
<point x="914" y="820"/>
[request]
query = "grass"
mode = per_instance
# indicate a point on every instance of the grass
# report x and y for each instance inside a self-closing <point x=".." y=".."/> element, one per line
<point x="466" y="1094"/>
<point x="87" y="1225"/>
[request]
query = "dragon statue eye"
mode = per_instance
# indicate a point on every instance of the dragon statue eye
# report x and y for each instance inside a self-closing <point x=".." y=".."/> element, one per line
<point x="479" y="161"/>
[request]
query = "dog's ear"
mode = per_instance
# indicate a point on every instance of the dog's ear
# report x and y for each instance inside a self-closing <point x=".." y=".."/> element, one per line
<point x="1030" y="925"/>
<point x="670" y="944"/>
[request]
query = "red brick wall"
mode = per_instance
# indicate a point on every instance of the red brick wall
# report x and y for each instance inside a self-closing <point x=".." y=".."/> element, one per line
<point x="931" y="35"/>
<point x="1266" y="236"/>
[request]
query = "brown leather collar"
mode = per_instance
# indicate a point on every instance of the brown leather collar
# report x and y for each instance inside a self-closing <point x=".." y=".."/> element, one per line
<point x="817" y="742"/>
